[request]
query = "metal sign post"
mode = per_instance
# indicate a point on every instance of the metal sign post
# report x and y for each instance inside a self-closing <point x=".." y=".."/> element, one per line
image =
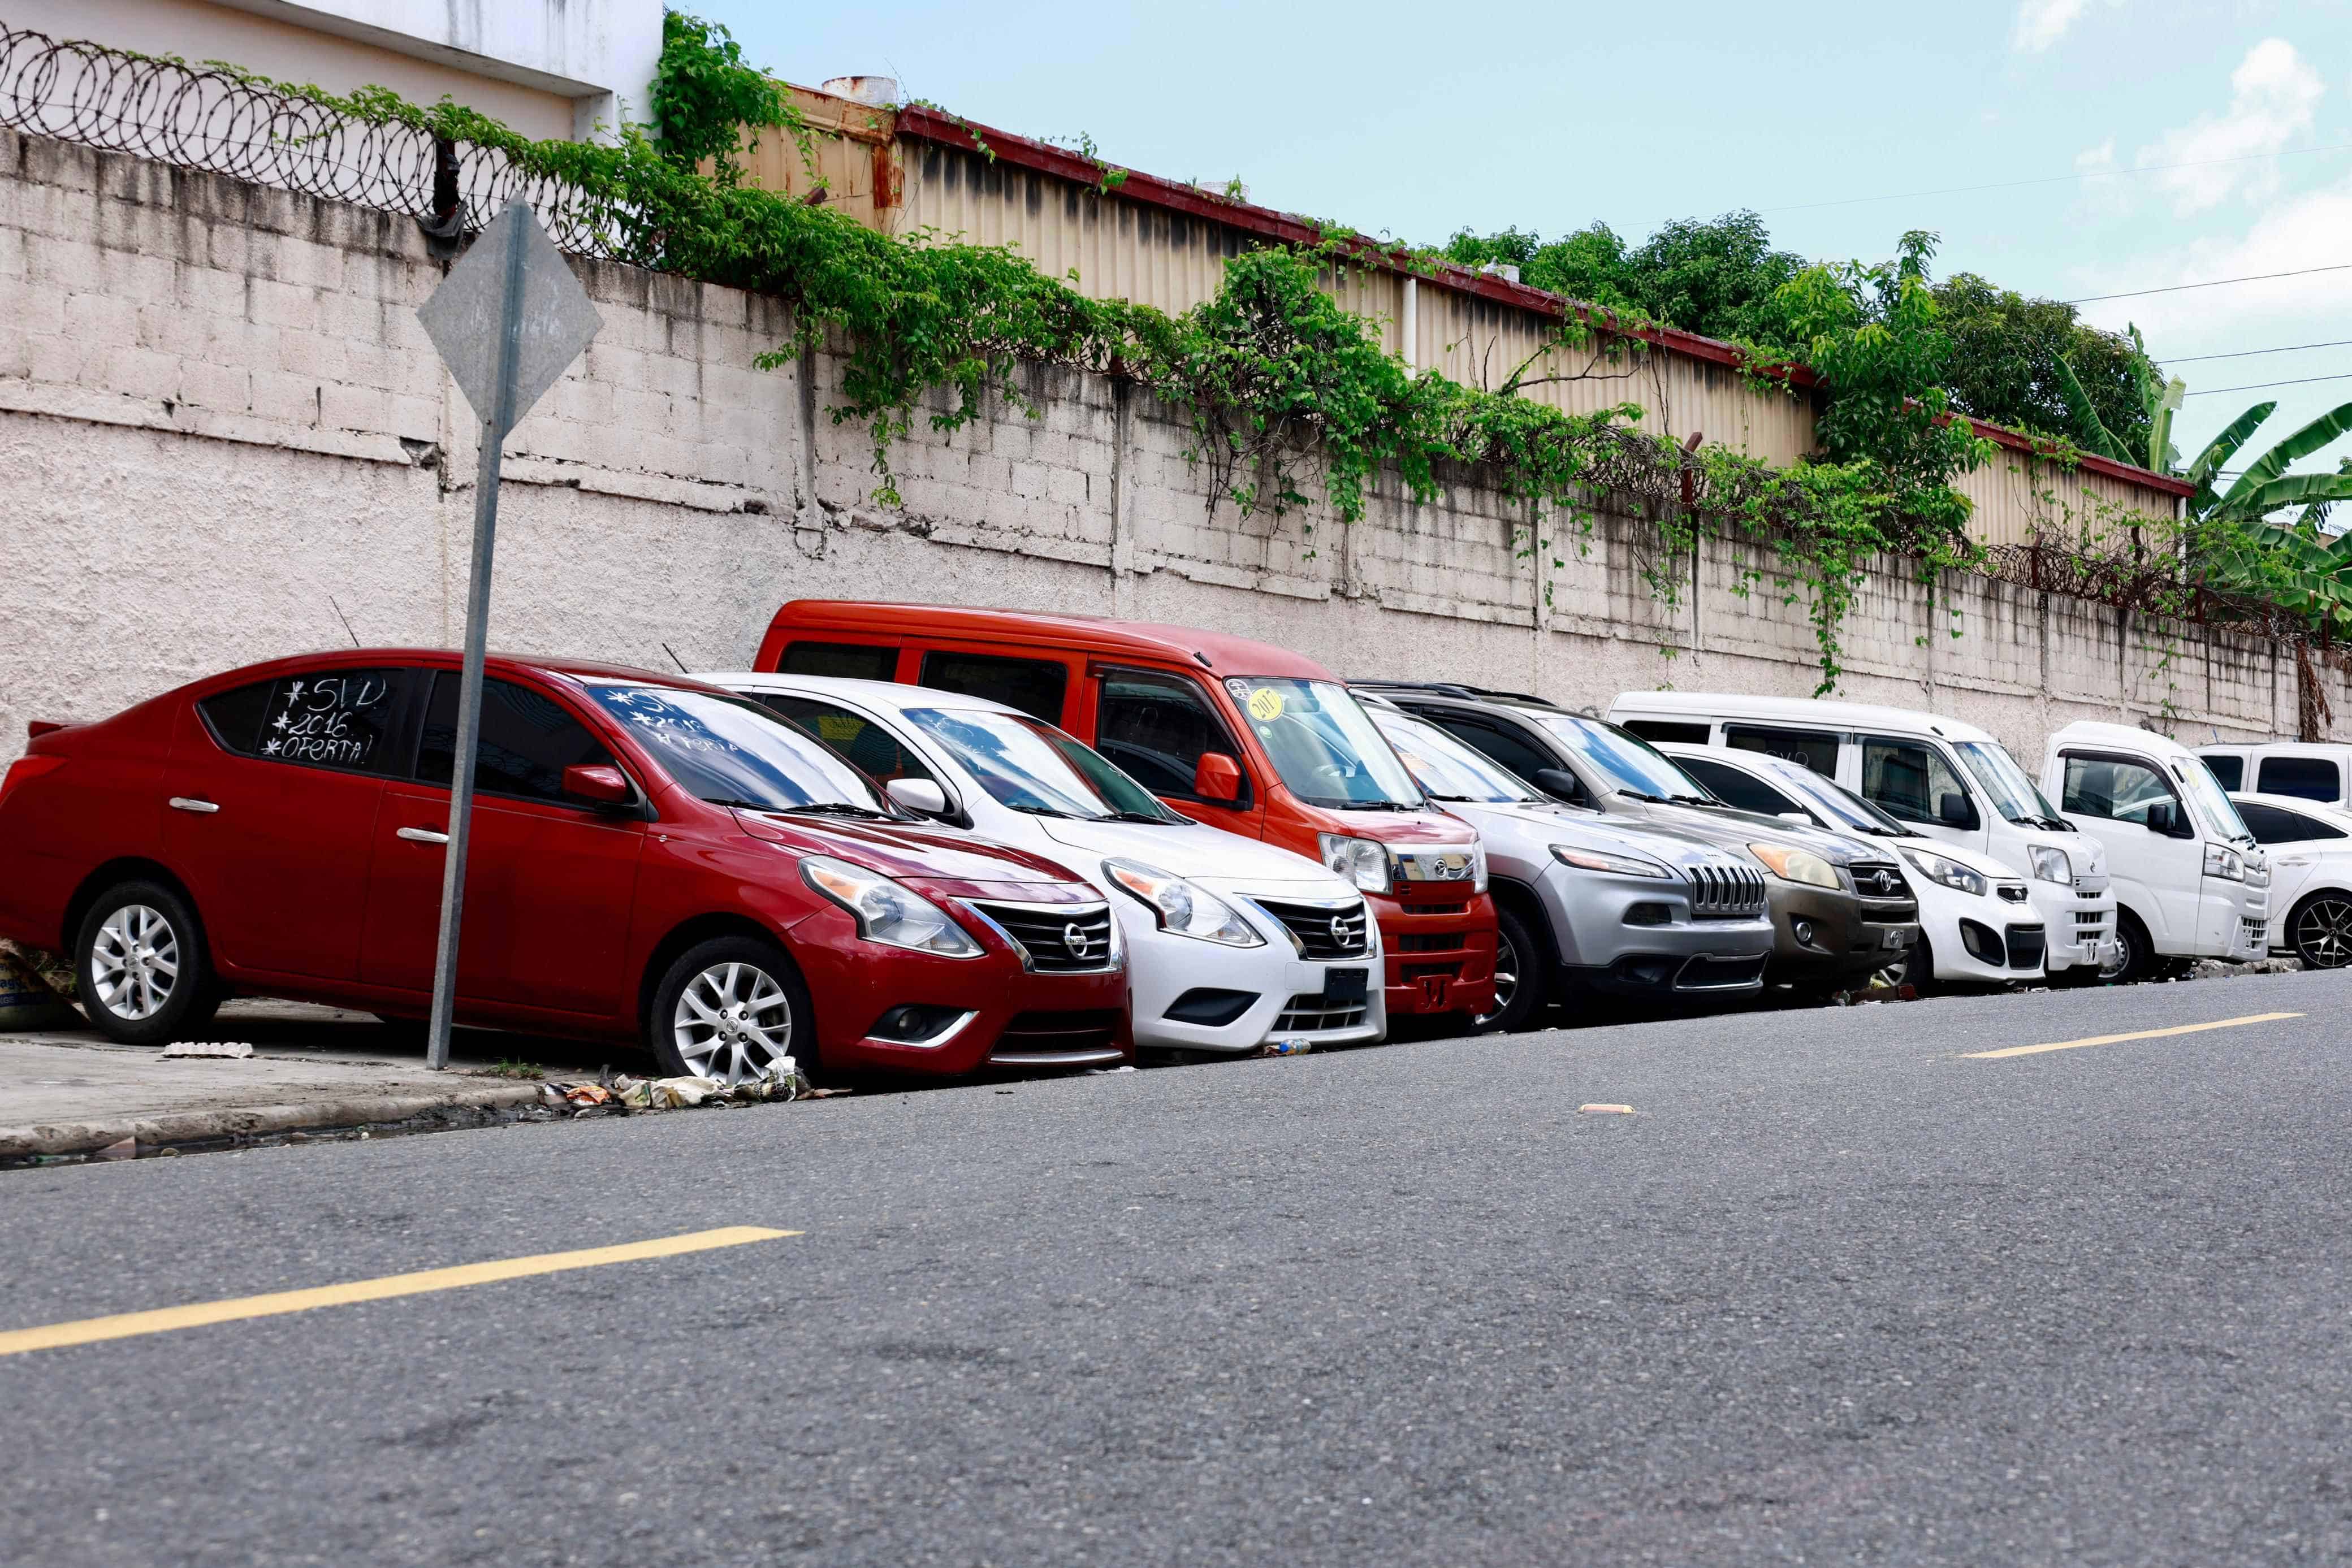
<point x="507" y="319"/>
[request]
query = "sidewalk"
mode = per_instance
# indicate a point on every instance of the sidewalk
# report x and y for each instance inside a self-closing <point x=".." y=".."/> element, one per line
<point x="72" y="1092"/>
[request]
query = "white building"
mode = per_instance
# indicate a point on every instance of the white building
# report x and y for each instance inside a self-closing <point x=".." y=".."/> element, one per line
<point x="549" y="68"/>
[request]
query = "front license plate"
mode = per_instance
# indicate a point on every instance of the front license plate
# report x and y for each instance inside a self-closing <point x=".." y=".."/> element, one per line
<point x="1899" y="937"/>
<point x="1346" y="985"/>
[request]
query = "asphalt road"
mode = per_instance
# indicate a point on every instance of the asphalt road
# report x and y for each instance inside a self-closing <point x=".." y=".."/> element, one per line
<point x="1836" y="1293"/>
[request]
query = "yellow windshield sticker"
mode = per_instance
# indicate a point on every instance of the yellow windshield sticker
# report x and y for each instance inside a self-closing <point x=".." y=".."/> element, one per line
<point x="839" y="728"/>
<point x="1265" y="704"/>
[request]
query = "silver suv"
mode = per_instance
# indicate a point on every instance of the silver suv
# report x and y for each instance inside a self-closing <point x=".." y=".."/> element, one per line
<point x="1580" y="903"/>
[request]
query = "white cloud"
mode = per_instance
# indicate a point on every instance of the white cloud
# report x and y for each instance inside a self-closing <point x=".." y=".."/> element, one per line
<point x="2042" y="23"/>
<point x="2274" y="95"/>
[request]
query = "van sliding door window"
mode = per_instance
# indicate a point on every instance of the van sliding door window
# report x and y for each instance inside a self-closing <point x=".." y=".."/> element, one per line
<point x="1908" y="781"/>
<point x="1816" y="749"/>
<point x="1158" y="728"/>
<point x="848" y="661"/>
<point x="2229" y="771"/>
<point x="2312" y="778"/>
<point x="1655" y="730"/>
<point x="1035" y="686"/>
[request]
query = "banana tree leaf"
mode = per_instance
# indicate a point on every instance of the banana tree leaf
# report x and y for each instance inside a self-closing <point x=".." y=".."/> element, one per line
<point x="2295" y="489"/>
<point x="2225" y="445"/>
<point x="2302" y="444"/>
<point x="2096" y="436"/>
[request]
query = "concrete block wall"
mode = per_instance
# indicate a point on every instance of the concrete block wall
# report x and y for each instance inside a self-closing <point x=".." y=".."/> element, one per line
<point x="224" y="436"/>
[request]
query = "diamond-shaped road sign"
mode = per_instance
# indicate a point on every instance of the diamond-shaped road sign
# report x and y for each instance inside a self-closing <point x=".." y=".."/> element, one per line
<point x="472" y="319"/>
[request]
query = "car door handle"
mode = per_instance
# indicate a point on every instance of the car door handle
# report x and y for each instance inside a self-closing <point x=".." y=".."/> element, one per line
<point x="421" y="835"/>
<point x="190" y="803"/>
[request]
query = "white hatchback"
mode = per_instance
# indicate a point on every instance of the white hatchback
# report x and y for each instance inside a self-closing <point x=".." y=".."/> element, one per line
<point x="1232" y="944"/>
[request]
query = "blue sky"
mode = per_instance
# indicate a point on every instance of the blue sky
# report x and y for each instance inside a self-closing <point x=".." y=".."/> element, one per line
<point x="1420" y="120"/>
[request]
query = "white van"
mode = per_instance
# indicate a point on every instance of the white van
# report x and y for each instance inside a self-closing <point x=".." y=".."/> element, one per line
<point x="2190" y="878"/>
<point x="1950" y="780"/>
<point x="2320" y="771"/>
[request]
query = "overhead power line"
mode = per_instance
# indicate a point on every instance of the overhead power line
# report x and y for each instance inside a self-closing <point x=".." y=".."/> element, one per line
<point x="2058" y="179"/>
<point x="2210" y="283"/>
<point x="2257" y="386"/>
<point x="2255" y="353"/>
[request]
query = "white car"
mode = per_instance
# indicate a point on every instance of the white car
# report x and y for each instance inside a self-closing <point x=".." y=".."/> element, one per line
<point x="1232" y="944"/>
<point x="2310" y="846"/>
<point x="1977" y="920"/>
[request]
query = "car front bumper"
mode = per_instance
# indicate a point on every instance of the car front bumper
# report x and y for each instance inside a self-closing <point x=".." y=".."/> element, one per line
<point x="2081" y="927"/>
<point x="1243" y="997"/>
<point x="1439" y="941"/>
<point x="1843" y="944"/>
<point x="1598" y="945"/>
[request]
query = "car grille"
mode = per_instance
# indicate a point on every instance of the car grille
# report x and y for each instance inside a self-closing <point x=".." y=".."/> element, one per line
<point x="2025" y="945"/>
<point x="1044" y="1038"/>
<point x="1313" y="1011"/>
<point x="1708" y="973"/>
<point x="1428" y="971"/>
<point x="1725" y="893"/>
<point x="1425" y="942"/>
<point x="2012" y="891"/>
<point x="1325" y="930"/>
<point x="1437" y="909"/>
<point x="1056" y="937"/>
<point x="2253" y="932"/>
<point x="1878" y="879"/>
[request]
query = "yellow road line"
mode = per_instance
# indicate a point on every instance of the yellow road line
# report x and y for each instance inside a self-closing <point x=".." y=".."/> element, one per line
<point x="124" y="1325"/>
<point x="2138" y="1034"/>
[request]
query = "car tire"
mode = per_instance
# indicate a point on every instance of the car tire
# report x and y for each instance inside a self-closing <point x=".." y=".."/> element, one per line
<point x="2320" y="930"/>
<point x="1519" y="1006"/>
<point x="142" y="967"/>
<point x="2140" y="960"/>
<point x="729" y="1008"/>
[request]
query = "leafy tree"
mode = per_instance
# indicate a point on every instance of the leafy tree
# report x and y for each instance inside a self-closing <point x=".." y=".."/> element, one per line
<point x="706" y="101"/>
<point x="2012" y="356"/>
<point x="1713" y="276"/>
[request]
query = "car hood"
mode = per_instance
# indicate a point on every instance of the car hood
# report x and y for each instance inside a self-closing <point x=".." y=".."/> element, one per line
<point x="910" y="851"/>
<point x="1532" y="827"/>
<point x="1191" y="851"/>
<point x="1433" y="829"/>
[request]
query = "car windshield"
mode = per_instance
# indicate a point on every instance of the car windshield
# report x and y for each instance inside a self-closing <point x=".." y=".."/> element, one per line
<point x="733" y="752"/>
<point x="1446" y="767"/>
<point x="2212" y="801"/>
<point x="1632" y="766"/>
<point x="1028" y="764"/>
<point x="2013" y="794"/>
<point x="1324" y="745"/>
<point x="1843" y="806"/>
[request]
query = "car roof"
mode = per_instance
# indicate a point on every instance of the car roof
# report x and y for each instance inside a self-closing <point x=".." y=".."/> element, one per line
<point x="890" y="696"/>
<point x="2094" y="732"/>
<point x="1218" y="652"/>
<point x="449" y="659"/>
<point x="1734" y="708"/>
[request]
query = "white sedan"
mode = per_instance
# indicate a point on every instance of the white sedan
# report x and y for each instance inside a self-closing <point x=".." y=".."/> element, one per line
<point x="1232" y="943"/>
<point x="2310" y="846"/>
<point x="1976" y="921"/>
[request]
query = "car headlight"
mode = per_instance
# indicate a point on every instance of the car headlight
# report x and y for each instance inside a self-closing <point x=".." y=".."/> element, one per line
<point x="1619" y="865"/>
<point x="2221" y="860"/>
<point x="1950" y="872"/>
<point x="1363" y="861"/>
<point x="2258" y="873"/>
<point x="1478" y="866"/>
<point x="2050" y="864"/>
<point x="1797" y="865"/>
<point x="1181" y="906"/>
<point x="887" y="912"/>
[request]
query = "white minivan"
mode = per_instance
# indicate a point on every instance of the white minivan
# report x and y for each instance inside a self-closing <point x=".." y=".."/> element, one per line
<point x="2308" y="770"/>
<point x="1949" y="780"/>
<point x="2190" y="879"/>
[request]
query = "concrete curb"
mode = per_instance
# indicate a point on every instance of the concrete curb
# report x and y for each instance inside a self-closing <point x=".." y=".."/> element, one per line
<point x="310" y="1115"/>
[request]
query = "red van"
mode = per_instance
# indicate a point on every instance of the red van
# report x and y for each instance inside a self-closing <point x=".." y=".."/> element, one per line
<point x="652" y="859"/>
<point x="1239" y="734"/>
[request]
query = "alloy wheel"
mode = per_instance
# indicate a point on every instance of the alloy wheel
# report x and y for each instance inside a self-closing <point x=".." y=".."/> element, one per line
<point x="1507" y="979"/>
<point x="134" y="962"/>
<point x="2323" y="933"/>
<point x="732" y="1022"/>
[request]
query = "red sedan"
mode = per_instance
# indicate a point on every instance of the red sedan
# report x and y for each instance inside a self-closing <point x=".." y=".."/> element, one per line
<point x="653" y="859"/>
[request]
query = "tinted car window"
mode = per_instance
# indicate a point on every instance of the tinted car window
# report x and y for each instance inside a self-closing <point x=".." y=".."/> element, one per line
<point x="1035" y="686"/>
<point x="2311" y="777"/>
<point x="2272" y="825"/>
<point x="1742" y="788"/>
<point x="1814" y="748"/>
<point x="528" y="740"/>
<point x="731" y="751"/>
<point x="1521" y="756"/>
<point x="1156" y="728"/>
<point x="324" y="719"/>
<point x="1906" y="781"/>
<point x="850" y="661"/>
<point x="855" y="736"/>
<point x="2115" y="789"/>
<point x="1657" y="729"/>
<point x="2230" y="771"/>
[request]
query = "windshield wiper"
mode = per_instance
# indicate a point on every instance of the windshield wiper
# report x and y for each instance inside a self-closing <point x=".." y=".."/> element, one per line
<point x="1649" y="800"/>
<point x="1146" y="817"/>
<point x="743" y="805"/>
<point x="1037" y="810"/>
<point x="836" y="809"/>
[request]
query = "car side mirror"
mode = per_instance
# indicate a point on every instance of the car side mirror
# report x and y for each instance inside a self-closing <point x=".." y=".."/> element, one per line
<point x="598" y="783"/>
<point x="1954" y="811"/>
<point x="2160" y="817"/>
<point x="1217" y="776"/>
<point x="920" y="796"/>
<point x="1560" y="782"/>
